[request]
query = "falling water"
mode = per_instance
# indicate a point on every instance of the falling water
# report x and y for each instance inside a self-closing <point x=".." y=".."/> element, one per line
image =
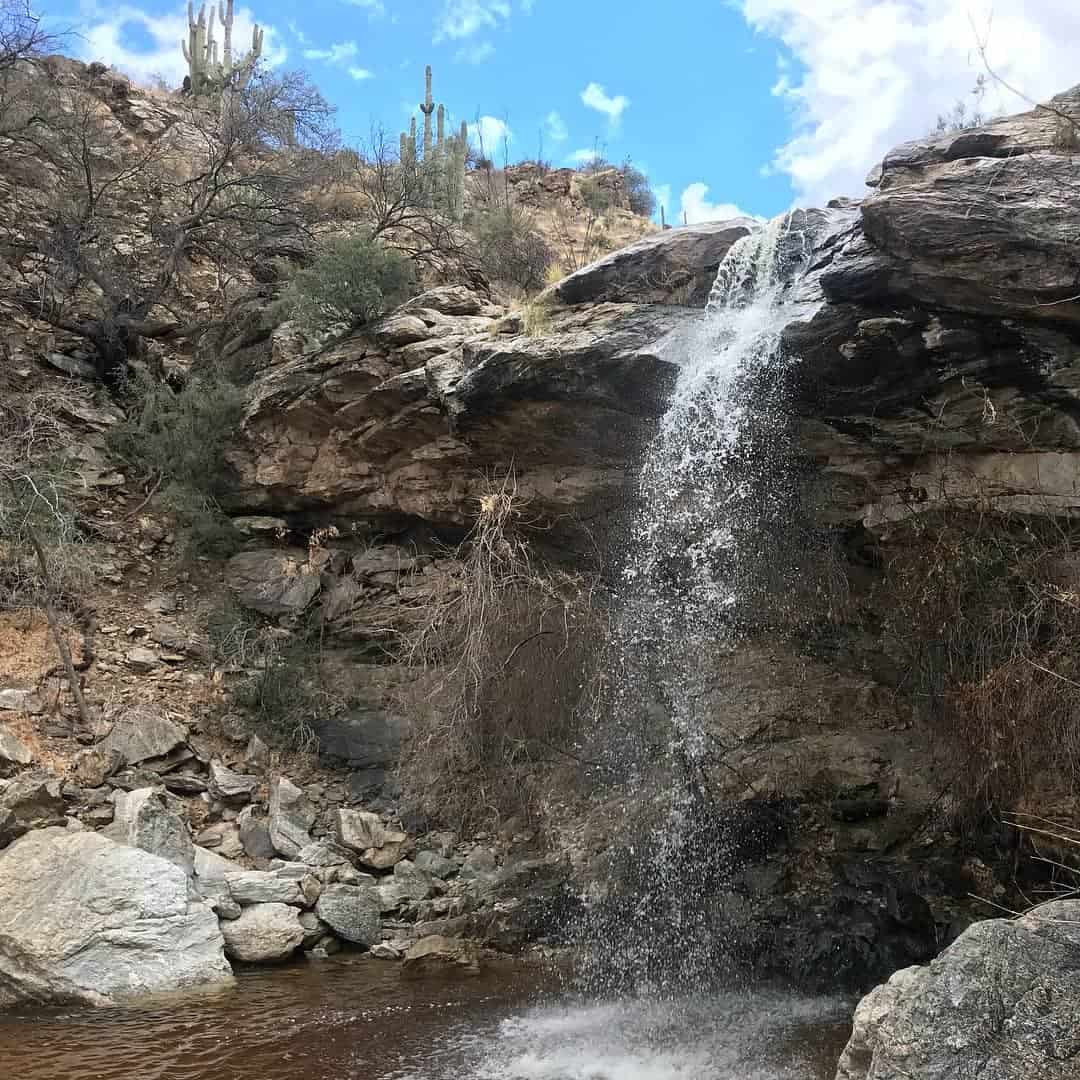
<point x="708" y="554"/>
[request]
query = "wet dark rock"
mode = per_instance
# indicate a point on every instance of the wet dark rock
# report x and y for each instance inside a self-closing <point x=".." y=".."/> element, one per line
<point x="255" y="833"/>
<point x="368" y="739"/>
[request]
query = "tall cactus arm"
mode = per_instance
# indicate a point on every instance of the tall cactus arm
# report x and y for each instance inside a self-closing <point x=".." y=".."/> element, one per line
<point x="225" y="14"/>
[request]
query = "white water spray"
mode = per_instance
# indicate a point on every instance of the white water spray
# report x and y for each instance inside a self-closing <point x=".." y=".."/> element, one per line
<point x="706" y="549"/>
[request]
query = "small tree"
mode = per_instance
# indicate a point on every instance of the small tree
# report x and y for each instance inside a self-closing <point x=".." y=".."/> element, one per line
<point x="42" y="556"/>
<point x="581" y="239"/>
<point x="177" y="438"/>
<point x="395" y="203"/>
<point x="510" y="248"/>
<point x="639" y="194"/>
<point x="353" y="280"/>
<point x="108" y="259"/>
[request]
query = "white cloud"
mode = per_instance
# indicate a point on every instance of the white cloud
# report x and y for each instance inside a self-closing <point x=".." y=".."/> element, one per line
<point x="463" y="18"/>
<point x="594" y="96"/>
<point x="555" y="127"/>
<point x="475" y="54"/>
<point x="489" y="134"/>
<point x="103" y="34"/>
<point x="875" y="73"/>
<point x="696" y="208"/>
<point x="585" y="156"/>
<point x="360" y="73"/>
<point x="376" y="7"/>
<point x="337" y="53"/>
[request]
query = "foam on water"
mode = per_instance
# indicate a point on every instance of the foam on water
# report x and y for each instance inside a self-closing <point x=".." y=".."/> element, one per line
<point x="715" y="1038"/>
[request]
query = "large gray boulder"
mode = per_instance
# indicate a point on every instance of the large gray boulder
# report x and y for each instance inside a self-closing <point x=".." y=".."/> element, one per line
<point x="142" y="820"/>
<point x="273" y="581"/>
<point x="291" y="816"/>
<point x="263" y="932"/>
<point x="142" y="732"/>
<point x="1001" y="1003"/>
<point x="353" y="912"/>
<point x="84" y="919"/>
<point x="677" y="265"/>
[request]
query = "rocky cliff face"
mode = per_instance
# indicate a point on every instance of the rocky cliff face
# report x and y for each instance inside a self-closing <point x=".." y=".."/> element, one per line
<point x="938" y="369"/>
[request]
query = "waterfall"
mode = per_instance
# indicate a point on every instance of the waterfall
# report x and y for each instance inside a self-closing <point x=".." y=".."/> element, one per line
<point x="709" y="546"/>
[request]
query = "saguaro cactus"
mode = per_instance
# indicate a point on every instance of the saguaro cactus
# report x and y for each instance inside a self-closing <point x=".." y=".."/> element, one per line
<point x="444" y="157"/>
<point x="427" y="108"/>
<point x="207" y="70"/>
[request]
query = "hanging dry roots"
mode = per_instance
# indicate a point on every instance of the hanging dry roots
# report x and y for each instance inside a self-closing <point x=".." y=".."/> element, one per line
<point x="513" y="654"/>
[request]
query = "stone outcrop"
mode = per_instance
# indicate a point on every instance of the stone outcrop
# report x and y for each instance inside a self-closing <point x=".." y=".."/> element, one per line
<point x="357" y="432"/>
<point x="999" y="1003"/>
<point x="84" y="919"/>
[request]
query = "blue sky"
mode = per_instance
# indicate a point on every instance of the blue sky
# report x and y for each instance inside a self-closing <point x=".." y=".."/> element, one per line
<point x="727" y="105"/>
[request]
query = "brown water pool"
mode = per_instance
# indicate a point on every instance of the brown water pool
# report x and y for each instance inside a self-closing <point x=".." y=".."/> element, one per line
<point x="361" y="1019"/>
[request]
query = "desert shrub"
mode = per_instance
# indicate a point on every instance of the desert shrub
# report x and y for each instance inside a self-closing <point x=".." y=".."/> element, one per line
<point x="985" y="612"/>
<point x="280" y="684"/>
<point x="510" y="248"/>
<point x="38" y="504"/>
<point x="515" y="654"/>
<point x="285" y="695"/>
<point x="353" y="280"/>
<point x="178" y="438"/>
<point x="595" y="196"/>
<point x="640" y="195"/>
<point x="962" y="116"/>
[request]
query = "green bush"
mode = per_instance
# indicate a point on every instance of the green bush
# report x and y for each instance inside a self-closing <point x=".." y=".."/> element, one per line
<point x="180" y="437"/>
<point x="281" y="689"/>
<point x="510" y="249"/>
<point x="642" y="200"/>
<point x="353" y="280"/>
